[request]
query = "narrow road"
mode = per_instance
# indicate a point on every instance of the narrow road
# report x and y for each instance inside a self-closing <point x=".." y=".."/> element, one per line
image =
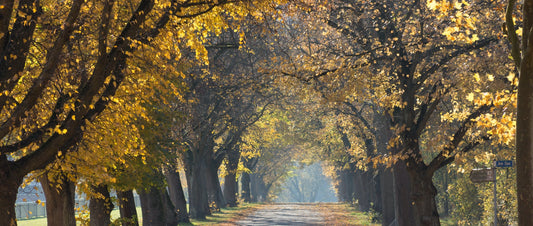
<point x="285" y="214"/>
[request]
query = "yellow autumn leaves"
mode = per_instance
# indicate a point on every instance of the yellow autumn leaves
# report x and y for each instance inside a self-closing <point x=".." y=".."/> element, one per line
<point x="463" y="25"/>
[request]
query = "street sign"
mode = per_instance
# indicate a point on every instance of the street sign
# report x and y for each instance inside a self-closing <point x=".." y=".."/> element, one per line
<point x="482" y="175"/>
<point x="504" y="163"/>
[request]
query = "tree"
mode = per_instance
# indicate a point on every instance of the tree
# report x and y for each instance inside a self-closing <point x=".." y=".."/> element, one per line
<point x="521" y="54"/>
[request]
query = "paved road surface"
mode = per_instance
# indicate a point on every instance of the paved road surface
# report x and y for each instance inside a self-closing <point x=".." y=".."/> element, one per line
<point x="284" y="214"/>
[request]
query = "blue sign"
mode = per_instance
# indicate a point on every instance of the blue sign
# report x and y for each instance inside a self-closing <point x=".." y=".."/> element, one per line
<point x="504" y="163"/>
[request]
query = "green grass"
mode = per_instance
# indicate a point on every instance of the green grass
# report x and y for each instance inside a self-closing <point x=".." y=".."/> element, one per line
<point x="361" y="218"/>
<point x="447" y="221"/>
<point x="226" y="215"/>
<point x="32" y="222"/>
<point x="358" y="217"/>
<point x="115" y="214"/>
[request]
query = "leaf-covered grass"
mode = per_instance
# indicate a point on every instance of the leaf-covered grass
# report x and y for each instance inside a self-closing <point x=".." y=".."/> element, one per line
<point x="344" y="214"/>
<point x="227" y="216"/>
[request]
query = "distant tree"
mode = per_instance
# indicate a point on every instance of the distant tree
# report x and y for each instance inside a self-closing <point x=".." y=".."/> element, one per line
<point x="307" y="184"/>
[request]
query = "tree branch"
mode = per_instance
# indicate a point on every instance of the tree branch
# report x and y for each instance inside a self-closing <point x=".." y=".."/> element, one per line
<point x="511" y="33"/>
<point x="52" y="60"/>
<point x="457" y="138"/>
<point x="474" y="46"/>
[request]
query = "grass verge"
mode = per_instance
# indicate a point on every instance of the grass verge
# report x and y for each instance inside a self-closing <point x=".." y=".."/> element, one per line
<point x="226" y="216"/>
<point x="343" y="214"/>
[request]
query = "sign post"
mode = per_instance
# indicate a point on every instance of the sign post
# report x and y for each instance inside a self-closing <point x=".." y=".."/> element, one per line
<point x="504" y="163"/>
<point x="482" y="175"/>
<point x="489" y="175"/>
<point x="495" y="197"/>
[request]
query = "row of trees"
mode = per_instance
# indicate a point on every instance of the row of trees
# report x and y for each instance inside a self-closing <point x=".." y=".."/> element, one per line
<point x="414" y="87"/>
<point x="95" y="92"/>
<point x="387" y="93"/>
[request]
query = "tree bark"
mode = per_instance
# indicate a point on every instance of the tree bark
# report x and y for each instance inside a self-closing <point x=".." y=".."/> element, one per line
<point x="255" y="186"/>
<point x="100" y="207"/>
<point x="157" y="208"/>
<point x="345" y="186"/>
<point x="8" y="192"/>
<point x="128" y="211"/>
<point x="216" y="195"/>
<point x="362" y="185"/>
<point x="524" y="122"/>
<point x="230" y="189"/>
<point x="60" y="194"/>
<point x="423" y="197"/>
<point x="376" y="193"/>
<point x="259" y="189"/>
<point x="446" y="211"/>
<point x="403" y="207"/>
<point x="396" y="182"/>
<point x="230" y="180"/>
<point x="245" y="186"/>
<point x="196" y="181"/>
<point x="176" y="194"/>
<point x="387" y="197"/>
<point x="8" y="197"/>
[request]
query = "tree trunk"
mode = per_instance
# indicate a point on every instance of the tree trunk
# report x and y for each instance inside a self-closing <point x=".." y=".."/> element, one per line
<point x="230" y="189"/>
<point x="100" y="207"/>
<point x="423" y="197"/>
<point x="8" y="197"/>
<point x="176" y="194"/>
<point x="387" y="197"/>
<point x="128" y="211"/>
<point x="259" y="189"/>
<point x="345" y="186"/>
<point x="524" y="123"/>
<point x="245" y="186"/>
<point x="230" y="180"/>
<point x="376" y="191"/>
<point x="157" y="208"/>
<point x="213" y="185"/>
<point x="9" y="184"/>
<point x="446" y="208"/>
<point x="403" y="207"/>
<point x="253" y="188"/>
<point x="361" y="190"/>
<point x="60" y="194"/>
<point x="384" y="133"/>
<point x="196" y="181"/>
